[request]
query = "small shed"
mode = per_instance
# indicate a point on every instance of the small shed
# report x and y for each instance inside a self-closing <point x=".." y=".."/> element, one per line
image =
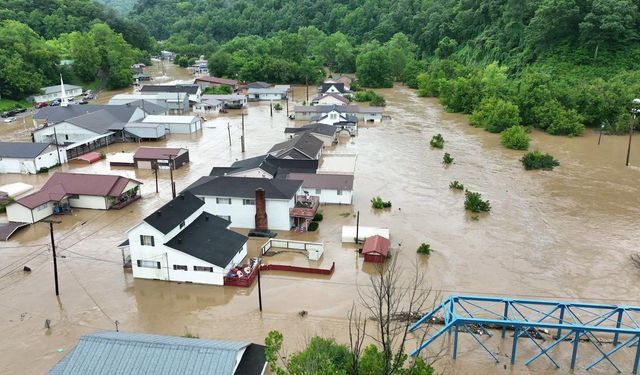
<point x="375" y="249"/>
<point x="150" y="157"/>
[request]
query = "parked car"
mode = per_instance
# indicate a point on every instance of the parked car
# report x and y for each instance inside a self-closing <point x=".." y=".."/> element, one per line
<point x="41" y="104"/>
<point x="83" y="101"/>
<point x="19" y="110"/>
<point x="55" y="103"/>
<point x="9" y="119"/>
<point x="89" y="96"/>
<point x="5" y="114"/>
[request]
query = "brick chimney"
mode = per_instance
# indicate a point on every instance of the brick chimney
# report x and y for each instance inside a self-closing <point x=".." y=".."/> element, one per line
<point x="261" y="211"/>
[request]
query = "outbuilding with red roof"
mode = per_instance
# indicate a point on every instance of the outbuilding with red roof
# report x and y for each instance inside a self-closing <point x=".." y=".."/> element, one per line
<point x="375" y="249"/>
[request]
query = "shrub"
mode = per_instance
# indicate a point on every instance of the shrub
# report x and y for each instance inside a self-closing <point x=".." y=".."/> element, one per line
<point x="447" y="159"/>
<point x="318" y="217"/>
<point x="474" y="202"/>
<point x="378" y="203"/>
<point x="4" y="203"/>
<point x="379" y="101"/>
<point x="217" y="90"/>
<point x="515" y="138"/>
<point x="538" y="160"/>
<point x="103" y="155"/>
<point x="437" y="141"/>
<point x="495" y="115"/>
<point x="313" y="226"/>
<point x="365" y="96"/>
<point x="43" y="170"/>
<point x="456" y="185"/>
<point x="557" y="120"/>
<point x="425" y="248"/>
<point x="277" y="107"/>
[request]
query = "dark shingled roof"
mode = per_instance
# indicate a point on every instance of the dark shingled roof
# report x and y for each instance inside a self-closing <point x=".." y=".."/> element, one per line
<point x="221" y="171"/>
<point x="253" y="360"/>
<point x="53" y="115"/>
<point x="244" y="187"/>
<point x="317" y="128"/>
<point x="255" y="162"/>
<point x="323" y="181"/>
<point x="259" y="85"/>
<point x="189" y="89"/>
<point x="304" y="146"/>
<point x="339" y="86"/>
<point x="21" y="149"/>
<point x="175" y="212"/>
<point x="208" y="238"/>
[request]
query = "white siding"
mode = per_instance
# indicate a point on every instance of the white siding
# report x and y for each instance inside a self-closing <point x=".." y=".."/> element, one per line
<point x="330" y="100"/>
<point x="49" y="158"/>
<point x="243" y="216"/>
<point x="21" y="214"/>
<point x="66" y="133"/>
<point x="89" y="201"/>
<point x="57" y="95"/>
<point x="17" y="166"/>
<point x="330" y="196"/>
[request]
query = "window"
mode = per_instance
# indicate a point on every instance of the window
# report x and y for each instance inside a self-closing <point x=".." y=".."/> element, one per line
<point x="146" y="240"/>
<point x="223" y="200"/>
<point x="182" y="225"/>
<point x="178" y="267"/>
<point x="42" y="206"/>
<point x="227" y="218"/>
<point x="148" y="264"/>
<point x="339" y="192"/>
<point x="249" y="202"/>
<point x="333" y="116"/>
<point x="203" y="269"/>
<point x="318" y="191"/>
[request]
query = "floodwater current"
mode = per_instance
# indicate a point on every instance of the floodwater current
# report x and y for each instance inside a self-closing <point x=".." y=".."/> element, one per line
<point x="563" y="234"/>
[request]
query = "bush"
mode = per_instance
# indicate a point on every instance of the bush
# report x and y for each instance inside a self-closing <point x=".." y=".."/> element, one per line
<point x="515" y="138"/>
<point x="379" y="101"/>
<point x="318" y="217"/>
<point x="378" y="203"/>
<point x="103" y="155"/>
<point x="313" y="226"/>
<point x="447" y="159"/>
<point x="4" y="203"/>
<point x="425" y="248"/>
<point x="456" y="185"/>
<point x="474" y="203"/>
<point x="557" y="120"/>
<point x="437" y="141"/>
<point x="495" y="115"/>
<point x="538" y="160"/>
<point x="219" y="90"/>
<point x="277" y="107"/>
<point x="370" y="96"/>
<point x="43" y="170"/>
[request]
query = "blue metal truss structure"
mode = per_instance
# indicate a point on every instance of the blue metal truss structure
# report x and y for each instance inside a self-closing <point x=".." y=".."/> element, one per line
<point x="573" y="322"/>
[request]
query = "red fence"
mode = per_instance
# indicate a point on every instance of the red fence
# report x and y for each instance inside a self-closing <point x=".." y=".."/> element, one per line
<point x="282" y="267"/>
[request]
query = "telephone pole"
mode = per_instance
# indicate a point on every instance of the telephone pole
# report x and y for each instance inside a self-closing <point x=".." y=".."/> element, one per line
<point x="229" y="131"/>
<point x="173" y="184"/>
<point x="242" y="137"/>
<point x="55" y="137"/>
<point x="53" y="249"/>
<point x="259" y="286"/>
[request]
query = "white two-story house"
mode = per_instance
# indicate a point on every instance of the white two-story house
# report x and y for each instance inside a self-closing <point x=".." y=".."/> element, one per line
<point x="183" y="242"/>
<point x="234" y="199"/>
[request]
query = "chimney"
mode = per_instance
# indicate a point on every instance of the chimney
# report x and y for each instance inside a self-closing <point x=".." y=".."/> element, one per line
<point x="261" y="211"/>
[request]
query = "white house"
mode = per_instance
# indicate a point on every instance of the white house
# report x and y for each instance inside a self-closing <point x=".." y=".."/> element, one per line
<point x="64" y="191"/>
<point x="208" y="105"/>
<point x="275" y="93"/>
<point x="183" y="242"/>
<point x="52" y="93"/>
<point x="326" y="133"/>
<point x="301" y="147"/>
<point x="314" y="112"/>
<point x="26" y="157"/>
<point x="234" y="199"/>
<point x="332" y="87"/>
<point x="176" y="124"/>
<point x="193" y="91"/>
<point x="331" y="188"/>
<point x="330" y="99"/>
<point x="171" y="102"/>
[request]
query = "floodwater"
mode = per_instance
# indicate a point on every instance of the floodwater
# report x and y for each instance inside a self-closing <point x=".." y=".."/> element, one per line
<point x="564" y="234"/>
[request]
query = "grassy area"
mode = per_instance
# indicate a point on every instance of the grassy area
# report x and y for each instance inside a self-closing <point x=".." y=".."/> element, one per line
<point x="91" y="85"/>
<point x="7" y="104"/>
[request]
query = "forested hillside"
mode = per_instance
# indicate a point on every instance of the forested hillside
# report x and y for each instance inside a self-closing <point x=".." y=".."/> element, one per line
<point x="121" y="6"/>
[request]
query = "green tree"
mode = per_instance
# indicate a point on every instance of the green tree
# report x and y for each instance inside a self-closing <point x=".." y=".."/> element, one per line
<point x="515" y="138"/>
<point x="374" y="68"/>
<point x="611" y="22"/>
<point x="495" y="115"/>
<point x="85" y="56"/>
<point x="557" y="120"/>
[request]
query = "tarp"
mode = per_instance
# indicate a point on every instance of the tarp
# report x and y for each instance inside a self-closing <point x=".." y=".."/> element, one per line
<point x="349" y="233"/>
<point x="89" y="157"/>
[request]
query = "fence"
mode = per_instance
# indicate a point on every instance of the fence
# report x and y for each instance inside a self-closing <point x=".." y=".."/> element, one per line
<point x="314" y="250"/>
<point x="282" y="267"/>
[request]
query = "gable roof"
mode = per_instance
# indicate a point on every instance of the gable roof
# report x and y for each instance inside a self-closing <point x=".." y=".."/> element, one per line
<point x="208" y="238"/>
<point x="101" y="122"/>
<point x="323" y="181"/>
<point x="220" y="81"/>
<point x="58" y="88"/>
<point x="327" y="85"/>
<point x="59" y="113"/>
<point x="62" y="184"/>
<point x="258" y="85"/>
<point x="333" y="95"/>
<point x="148" y="107"/>
<point x="259" y="161"/>
<point x="315" y="128"/>
<point x="244" y="187"/>
<point x="175" y="212"/>
<point x="125" y="353"/>
<point x="161" y="153"/>
<point x="376" y="245"/>
<point x="268" y="90"/>
<point x="21" y="150"/>
<point x="304" y="146"/>
<point x="191" y="89"/>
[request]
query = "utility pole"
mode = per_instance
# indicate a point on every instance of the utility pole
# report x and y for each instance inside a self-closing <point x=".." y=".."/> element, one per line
<point x="357" y="225"/>
<point x="155" y="170"/>
<point x="600" y="136"/>
<point x="287" y="106"/>
<point x="53" y="249"/>
<point x="229" y="131"/>
<point x="242" y="137"/>
<point x="173" y="184"/>
<point x="259" y="286"/>
<point x="55" y="137"/>
<point x="271" y="107"/>
<point x="635" y="109"/>
<point x="306" y="82"/>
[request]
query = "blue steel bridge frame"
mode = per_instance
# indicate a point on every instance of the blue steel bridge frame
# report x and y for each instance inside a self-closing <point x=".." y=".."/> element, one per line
<point x="571" y="321"/>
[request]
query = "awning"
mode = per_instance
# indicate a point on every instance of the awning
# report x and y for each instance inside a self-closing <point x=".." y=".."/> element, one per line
<point x="87" y="141"/>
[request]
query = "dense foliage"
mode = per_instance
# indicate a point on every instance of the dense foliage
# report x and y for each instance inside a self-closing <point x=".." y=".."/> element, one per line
<point x="515" y="138"/>
<point x="538" y="160"/>
<point x="495" y="115"/>
<point x="455" y="184"/>
<point x="424" y="248"/>
<point x="474" y="202"/>
<point x="437" y="141"/>
<point x="378" y="203"/>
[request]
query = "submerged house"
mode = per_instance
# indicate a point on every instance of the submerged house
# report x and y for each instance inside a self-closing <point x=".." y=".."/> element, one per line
<point x="376" y="249"/>
<point x="64" y="191"/>
<point x="236" y="198"/>
<point x="330" y="188"/>
<point x="160" y="158"/>
<point x="271" y="93"/>
<point x="183" y="242"/>
<point x="193" y="91"/>
<point x="209" y="81"/>
<point x="126" y="353"/>
<point x="326" y="133"/>
<point x="301" y="147"/>
<point x="27" y="157"/>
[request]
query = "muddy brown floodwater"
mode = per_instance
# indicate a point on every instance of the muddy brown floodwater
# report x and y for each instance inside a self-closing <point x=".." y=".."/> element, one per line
<point x="565" y="234"/>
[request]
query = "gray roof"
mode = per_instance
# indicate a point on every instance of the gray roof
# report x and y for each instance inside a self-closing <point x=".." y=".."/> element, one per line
<point x="255" y="162"/>
<point x="332" y="95"/>
<point x="21" y="150"/>
<point x="122" y="112"/>
<point x="148" y="107"/>
<point x="244" y="187"/>
<point x="273" y="90"/>
<point x="58" y="88"/>
<point x="323" y="181"/>
<point x="107" y="353"/>
<point x="304" y="146"/>
<point x="188" y="88"/>
<point x="175" y="212"/>
<point x="315" y="128"/>
<point x="208" y="238"/>
<point x="103" y="121"/>
<point x="258" y="85"/>
<point x="338" y="85"/>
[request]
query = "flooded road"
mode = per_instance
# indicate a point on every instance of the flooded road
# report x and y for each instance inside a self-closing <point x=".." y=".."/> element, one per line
<point x="564" y="234"/>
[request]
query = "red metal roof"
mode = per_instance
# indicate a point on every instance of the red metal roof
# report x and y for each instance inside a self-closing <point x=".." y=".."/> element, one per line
<point x="156" y="153"/>
<point x="376" y="245"/>
<point x="222" y="81"/>
<point x="62" y="184"/>
<point x="89" y="157"/>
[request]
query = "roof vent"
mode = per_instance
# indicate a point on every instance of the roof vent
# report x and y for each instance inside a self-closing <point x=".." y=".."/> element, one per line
<point x="159" y="213"/>
<point x="179" y="240"/>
